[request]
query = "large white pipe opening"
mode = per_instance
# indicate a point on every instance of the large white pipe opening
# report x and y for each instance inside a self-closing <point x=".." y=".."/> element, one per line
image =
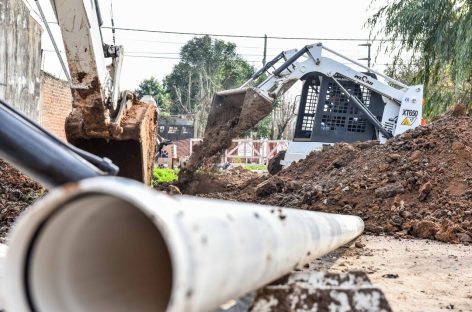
<point x="3" y="255"/>
<point x="110" y="244"/>
<point x="99" y="253"/>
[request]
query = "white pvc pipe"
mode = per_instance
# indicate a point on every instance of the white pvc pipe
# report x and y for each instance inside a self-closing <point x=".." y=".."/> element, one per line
<point x="3" y="254"/>
<point x="110" y="244"/>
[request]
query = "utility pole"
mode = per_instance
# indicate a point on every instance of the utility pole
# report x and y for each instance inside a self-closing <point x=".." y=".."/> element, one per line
<point x="265" y="51"/>
<point x="368" y="58"/>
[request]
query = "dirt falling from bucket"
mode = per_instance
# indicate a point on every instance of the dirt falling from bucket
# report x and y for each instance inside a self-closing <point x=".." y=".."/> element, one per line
<point x="233" y="112"/>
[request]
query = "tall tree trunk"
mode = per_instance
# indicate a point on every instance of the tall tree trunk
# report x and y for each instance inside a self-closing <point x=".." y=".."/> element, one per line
<point x="189" y="93"/>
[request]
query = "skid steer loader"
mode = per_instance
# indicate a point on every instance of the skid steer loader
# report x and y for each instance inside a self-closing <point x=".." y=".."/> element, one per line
<point x="338" y="104"/>
<point x="104" y="121"/>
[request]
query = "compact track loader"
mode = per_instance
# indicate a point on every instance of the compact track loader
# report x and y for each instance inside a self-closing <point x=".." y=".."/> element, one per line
<point x="337" y="104"/>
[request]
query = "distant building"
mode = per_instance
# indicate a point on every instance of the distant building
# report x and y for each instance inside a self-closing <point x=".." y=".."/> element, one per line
<point x="180" y="131"/>
<point x="175" y="128"/>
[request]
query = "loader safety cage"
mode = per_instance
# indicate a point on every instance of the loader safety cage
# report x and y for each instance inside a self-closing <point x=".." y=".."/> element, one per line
<point x="327" y="114"/>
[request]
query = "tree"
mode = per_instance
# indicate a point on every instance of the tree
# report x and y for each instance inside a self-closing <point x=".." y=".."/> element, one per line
<point x="439" y="92"/>
<point x="153" y="87"/>
<point x="263" y="129"/>
<point x="207" y="65"/>
<point x="282" y="116"/>
<point x="439" y="33"/>
<point x="276" y="126"/>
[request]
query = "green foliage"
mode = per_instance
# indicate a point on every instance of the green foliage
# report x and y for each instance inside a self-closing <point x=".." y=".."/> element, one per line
<point x="237" y="160"/>
<point x="153" y="87"/>
<point x="164" y="115"/>
<point x="406" y="72"/>
<point x="440" y="93"/>
<point x="274" y="125"/>
<point x="207" y="65"/>
<point x="164" y="175"/>
<point x="439" y="33"/>
<point x="263" y="130"/>
<point x="255" y="167"/>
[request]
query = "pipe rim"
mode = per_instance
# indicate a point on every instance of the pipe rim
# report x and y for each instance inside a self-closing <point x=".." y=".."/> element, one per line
<point x="28" y="229"/>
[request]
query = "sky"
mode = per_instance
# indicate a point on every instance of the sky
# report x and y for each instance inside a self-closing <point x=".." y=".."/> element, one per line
<point x="155" y="54"/>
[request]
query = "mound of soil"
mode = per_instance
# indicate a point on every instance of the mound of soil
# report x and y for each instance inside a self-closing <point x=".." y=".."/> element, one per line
<point x="417" y="184"/>
<point x="17" y="192"/>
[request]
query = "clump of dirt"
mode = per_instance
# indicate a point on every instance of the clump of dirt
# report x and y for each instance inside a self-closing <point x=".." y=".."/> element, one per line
<point x="205" y="182"/>
<point x="16" y="193"/>
<point x="417" y="184"/>
<point x="233" y="112"/>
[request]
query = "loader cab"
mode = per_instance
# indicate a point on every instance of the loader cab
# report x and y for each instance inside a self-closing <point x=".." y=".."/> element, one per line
<point x="326" y="115"/>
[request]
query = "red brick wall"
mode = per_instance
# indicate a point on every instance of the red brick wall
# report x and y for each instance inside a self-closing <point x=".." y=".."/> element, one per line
<point x="183" y="148"/>
<point x="56" y="104"/>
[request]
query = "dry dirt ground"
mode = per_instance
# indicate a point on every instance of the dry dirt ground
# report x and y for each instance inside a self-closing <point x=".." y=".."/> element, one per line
<point x="415" y="275"/>
<point x="418" y="185"/>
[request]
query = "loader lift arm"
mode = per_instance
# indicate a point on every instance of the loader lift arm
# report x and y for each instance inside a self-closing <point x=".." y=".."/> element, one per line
<point x="401" y="98"/>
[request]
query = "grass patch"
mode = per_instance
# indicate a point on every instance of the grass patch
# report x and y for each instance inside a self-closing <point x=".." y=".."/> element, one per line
<point x="255" y="167"/>
<point x="160" y="175"/>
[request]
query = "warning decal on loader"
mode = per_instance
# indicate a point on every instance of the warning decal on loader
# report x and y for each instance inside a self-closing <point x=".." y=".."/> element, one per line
<point x="406" y="122"/>
<point x="410" y="118"/>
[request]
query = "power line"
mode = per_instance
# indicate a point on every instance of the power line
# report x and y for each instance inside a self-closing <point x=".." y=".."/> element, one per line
<point x="183" y="43"/>
<point x="171" y="58"/>
<point x="243" y="36"/>
<point x="150" y="54"/>
<point x="178" y="53"/>
<point x="178" y="58"/>
<point x="153" y="57"/>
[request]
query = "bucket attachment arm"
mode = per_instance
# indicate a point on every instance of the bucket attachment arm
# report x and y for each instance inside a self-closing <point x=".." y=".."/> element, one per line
<point x="104" y="120"/>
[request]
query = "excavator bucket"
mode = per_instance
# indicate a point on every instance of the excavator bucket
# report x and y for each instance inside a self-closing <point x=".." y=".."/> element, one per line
<point x="233" y="112"/>
<point x="129" y="142"/>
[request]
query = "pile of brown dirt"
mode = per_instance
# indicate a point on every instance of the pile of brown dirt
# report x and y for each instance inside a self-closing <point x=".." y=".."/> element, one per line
<point x="16" y="193"/>
<point x="418" y="184"/>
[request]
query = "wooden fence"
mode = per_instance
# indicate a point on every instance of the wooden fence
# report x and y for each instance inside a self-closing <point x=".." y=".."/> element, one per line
<point x="247" y="151"/>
